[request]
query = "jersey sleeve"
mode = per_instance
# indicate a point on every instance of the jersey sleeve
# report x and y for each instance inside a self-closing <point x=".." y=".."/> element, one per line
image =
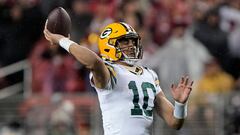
<point x="112" y="81"/>
<point x="156" y="81"/>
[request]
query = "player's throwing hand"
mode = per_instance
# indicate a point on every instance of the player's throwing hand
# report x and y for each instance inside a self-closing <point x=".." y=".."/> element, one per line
<point x="52" y="38"/>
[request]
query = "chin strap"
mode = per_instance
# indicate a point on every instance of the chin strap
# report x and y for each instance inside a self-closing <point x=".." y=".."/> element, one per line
<point x="130" y="61"/>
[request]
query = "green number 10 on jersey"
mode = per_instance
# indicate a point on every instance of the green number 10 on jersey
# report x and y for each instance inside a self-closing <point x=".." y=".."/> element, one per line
<point x="137" y="110"/>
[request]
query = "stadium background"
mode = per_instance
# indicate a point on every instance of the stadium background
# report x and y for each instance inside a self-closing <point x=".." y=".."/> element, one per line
<point x="45" y="91"/>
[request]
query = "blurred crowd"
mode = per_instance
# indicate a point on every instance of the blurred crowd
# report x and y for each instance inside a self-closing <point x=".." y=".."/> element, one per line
<point x="198" y="38"/>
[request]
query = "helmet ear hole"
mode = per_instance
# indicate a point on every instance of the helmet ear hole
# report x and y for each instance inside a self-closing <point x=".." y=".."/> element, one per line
<point x="106" y="50"/>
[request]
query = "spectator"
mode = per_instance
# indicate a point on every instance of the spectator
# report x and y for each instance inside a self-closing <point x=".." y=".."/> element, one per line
<point x="158" y="21"/>
<point x="101" y="17"/>
<point x="36" y="111"/>
<point x="182" y="54"/>
<point x="100" y="20"/>
<point x="20" y="27"/>
<point x="214" y="39"/>
<point x="230" y="16"/>
<point x="61" y="119"/>
<point x="149" y="46"/>
<point x="40" y="60"/>
<point x="128" y="8"/>
<point x="211" y="81"/>
<point x="81" y="18"/>
<point x="230" y="22"/>
<point x="214" y="84"/>
<point x="48" y="66"/>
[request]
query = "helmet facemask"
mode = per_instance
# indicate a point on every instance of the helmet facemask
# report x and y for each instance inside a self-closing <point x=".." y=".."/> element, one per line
<point x="130" y="53"/>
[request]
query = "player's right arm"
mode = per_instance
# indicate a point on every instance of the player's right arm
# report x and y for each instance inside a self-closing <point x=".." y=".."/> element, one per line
<point x="88" y="58"/>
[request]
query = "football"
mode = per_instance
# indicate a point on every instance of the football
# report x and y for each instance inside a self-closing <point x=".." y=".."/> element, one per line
<point x="59" y="22"/>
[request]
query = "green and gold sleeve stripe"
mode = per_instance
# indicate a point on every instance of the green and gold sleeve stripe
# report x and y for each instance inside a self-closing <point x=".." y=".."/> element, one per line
<point x="113" y="75"/>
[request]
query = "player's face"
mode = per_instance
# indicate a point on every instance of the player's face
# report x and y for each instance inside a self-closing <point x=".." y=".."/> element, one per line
<point x="128" y="46"/>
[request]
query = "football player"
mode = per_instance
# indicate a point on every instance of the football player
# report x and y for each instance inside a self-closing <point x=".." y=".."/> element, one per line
<point x="127" y="93"/>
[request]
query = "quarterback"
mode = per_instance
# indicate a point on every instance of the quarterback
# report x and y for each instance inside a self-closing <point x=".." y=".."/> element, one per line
<point x="127" y="93"/>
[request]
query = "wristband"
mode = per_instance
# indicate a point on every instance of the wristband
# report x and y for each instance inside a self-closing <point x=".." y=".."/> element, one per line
<point x="65" y="43"/>
<point x="180" y="110"/>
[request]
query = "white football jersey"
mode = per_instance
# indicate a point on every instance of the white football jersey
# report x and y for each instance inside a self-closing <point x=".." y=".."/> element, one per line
<point x="127" y="103"/>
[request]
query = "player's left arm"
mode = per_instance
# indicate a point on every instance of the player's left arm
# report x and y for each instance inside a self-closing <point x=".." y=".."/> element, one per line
<point x="174" y="115"/>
